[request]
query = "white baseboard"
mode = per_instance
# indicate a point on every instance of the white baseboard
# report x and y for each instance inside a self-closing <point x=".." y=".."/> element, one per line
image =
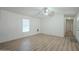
<point x="15" y="38"/>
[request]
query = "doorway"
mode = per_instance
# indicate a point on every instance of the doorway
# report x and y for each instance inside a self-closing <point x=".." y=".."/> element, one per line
<point x="69" y="27"/>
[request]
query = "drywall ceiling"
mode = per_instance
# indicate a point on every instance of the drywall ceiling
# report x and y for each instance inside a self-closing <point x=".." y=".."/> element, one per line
<point x="35" y="11"/>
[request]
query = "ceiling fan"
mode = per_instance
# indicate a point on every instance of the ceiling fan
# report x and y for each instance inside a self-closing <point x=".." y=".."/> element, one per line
<point x="47" y="11"/>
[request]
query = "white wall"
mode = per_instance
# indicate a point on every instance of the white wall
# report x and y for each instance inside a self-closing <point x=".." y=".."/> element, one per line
<point x="74" y="26"/>
<point x="11" y="26"/>
<point x="53" y="25"/>
<point x="77" y="27"/>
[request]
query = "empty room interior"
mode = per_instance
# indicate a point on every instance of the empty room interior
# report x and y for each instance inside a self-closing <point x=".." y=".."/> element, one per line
<point x="39" y="28"/>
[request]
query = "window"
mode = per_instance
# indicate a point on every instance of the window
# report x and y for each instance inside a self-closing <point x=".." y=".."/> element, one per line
<point x="25" y="25"/>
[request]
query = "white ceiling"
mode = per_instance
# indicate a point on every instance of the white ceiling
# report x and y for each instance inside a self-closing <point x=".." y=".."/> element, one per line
<point x="34" y="11"/>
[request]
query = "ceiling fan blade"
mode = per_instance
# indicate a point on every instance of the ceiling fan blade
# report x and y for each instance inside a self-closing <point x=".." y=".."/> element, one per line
<point x="45" y="12"/>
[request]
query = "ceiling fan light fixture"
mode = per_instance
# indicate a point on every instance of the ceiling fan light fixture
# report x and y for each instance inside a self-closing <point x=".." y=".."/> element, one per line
<point x="46" y="11"/>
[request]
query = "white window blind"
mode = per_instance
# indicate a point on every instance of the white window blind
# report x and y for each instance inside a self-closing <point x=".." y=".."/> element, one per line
<point x="25" y="25"/>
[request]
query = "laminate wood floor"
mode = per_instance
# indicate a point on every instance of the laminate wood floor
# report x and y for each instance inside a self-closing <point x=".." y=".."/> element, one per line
<point x="41" y="42"/>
